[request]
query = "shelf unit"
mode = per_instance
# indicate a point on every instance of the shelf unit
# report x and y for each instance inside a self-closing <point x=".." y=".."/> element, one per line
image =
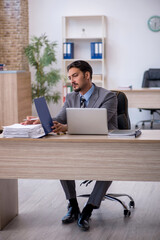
<point x="82" y="30"/>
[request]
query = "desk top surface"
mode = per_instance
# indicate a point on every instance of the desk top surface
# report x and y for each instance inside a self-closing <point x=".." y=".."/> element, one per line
<point x="138" y="90"/>
<point x="146" y="136"/>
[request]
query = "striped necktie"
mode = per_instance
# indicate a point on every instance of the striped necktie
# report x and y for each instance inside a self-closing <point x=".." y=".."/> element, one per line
<point x="83" y="102"/>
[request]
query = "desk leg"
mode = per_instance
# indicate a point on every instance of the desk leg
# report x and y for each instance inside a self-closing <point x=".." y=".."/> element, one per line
<point x="8" y="201"/>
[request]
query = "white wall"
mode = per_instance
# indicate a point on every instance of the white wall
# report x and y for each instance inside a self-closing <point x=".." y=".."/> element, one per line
<point x="131" y="46"/>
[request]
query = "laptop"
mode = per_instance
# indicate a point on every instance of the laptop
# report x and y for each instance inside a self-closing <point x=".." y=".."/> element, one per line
<point x="44" y="115"/>
<point x="87" y="120"/>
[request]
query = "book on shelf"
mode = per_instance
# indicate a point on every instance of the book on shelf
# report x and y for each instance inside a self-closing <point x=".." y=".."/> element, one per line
<point x="131" y="133"/>
<point x="2" y="66"/>
<point x="18" y="130"/>
<point x="96" y="50"/>
<point x="68" y="50"/>
<point x="66" y="90"/>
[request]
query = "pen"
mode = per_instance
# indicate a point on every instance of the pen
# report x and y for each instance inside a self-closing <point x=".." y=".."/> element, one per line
<point x="31" y="119"/>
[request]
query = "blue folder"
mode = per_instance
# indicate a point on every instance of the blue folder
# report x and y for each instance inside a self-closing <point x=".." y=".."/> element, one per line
<point x="96" y="50"/>
<point x="44" y="114"/>
<point x="68" y="50"/>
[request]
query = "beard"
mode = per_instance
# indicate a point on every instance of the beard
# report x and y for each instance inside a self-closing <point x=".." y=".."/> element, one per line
<point x="77" y="89"/>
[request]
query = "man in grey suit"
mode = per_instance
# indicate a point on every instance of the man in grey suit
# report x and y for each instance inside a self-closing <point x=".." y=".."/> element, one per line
<point x="85" y="94"/>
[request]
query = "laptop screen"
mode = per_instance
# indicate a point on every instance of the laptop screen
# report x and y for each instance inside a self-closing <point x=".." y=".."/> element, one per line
<point x="44" y="114"/>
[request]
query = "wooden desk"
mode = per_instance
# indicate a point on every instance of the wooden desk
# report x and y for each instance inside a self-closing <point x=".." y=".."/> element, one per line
<point x="143" y="98"/>
<point x="76" y="157"/>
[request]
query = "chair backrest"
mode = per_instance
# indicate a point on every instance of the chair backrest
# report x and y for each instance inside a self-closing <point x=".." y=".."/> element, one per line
<point x="151" y="78"/>
<point x="122" y="111"/>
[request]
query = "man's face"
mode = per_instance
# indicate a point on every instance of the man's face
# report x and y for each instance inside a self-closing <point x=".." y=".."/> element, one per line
<point x="78" y="80"/>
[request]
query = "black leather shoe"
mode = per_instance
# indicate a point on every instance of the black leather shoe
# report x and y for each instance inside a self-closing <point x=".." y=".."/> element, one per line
<point x="83" y="222"/>
<point x="71" y="215"/>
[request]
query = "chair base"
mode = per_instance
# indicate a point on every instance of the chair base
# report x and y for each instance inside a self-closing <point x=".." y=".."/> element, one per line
<point x="115" y="197"/>
<point x="151" y="121"/>
<point x="147" y="121"/>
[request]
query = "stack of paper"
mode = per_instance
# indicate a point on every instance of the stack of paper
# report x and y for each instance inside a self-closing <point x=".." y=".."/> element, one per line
<point x="23" y="131"/>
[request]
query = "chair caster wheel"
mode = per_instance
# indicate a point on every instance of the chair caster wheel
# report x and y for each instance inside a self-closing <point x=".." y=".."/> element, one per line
<point x="132" y="204"/>
<point x="127" y="213"/>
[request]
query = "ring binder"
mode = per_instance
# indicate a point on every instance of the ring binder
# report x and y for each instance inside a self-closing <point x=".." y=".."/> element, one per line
<point x="68" y="50"/>
<point x="96" y="50"/>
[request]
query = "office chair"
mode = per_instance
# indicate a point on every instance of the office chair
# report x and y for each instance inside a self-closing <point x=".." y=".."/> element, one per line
<point x="151" y="78"/>
<point x="123" y="123"/>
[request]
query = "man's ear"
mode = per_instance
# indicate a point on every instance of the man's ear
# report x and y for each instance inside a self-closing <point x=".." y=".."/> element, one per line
<point x="87" y="75"/>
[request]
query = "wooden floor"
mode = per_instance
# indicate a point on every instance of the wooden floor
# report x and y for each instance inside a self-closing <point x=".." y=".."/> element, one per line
<point x="42" y="205"/>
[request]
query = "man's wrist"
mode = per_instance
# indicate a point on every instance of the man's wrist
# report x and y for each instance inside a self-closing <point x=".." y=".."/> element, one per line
<point x="65" y="128"/>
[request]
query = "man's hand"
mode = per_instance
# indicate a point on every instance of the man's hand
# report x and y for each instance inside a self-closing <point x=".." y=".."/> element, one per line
<point x="59" y="127"/>
<point x="31" y="120"/>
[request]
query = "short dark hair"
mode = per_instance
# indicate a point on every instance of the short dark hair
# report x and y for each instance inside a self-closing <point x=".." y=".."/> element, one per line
<point x="82" y="65"/>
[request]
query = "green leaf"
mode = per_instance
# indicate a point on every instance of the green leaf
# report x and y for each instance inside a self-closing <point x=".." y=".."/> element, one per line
<point x="40" y="54"/>
<point x="52" y="77"/>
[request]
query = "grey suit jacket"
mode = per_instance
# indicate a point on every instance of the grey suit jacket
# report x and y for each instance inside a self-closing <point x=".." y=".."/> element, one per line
<point x="100" y="98"/>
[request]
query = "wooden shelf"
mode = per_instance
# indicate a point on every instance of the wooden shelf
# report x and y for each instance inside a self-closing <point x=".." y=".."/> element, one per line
<point x="82" y="30"/>
<point x="88" y="60"/>
<point x="83" y="38"/>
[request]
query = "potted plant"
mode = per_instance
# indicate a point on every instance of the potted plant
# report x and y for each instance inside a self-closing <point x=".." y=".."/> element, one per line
<point x="41" y="54"/>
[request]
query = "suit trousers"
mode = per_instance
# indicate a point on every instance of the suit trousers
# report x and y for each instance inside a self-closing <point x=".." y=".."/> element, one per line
<point x="96" y="196"/>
